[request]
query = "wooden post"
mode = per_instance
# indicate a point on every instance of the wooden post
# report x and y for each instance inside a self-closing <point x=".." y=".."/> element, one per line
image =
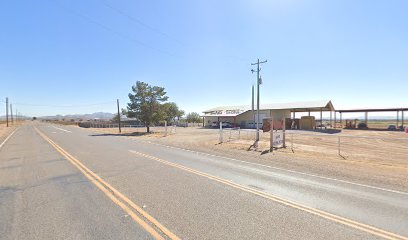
<point x="165" y="128"/>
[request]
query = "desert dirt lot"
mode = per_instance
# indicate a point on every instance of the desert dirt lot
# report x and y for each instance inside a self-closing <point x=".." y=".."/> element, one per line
<point x="368" y="155"/>
<point x="5" y="131"/>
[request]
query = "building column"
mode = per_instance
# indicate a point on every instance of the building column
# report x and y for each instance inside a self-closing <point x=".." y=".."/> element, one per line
<point x="402" y="119"/>
<point x="331" y="120"/>
<point x="397" y="118"/>
<point x="321" y="119"/>
<point x="334" y="119"/>
<point x="341" y="124"/>
<point x="366" y="119"/>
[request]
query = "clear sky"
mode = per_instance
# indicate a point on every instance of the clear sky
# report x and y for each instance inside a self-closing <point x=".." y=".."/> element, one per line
<point x="79" y="56"/>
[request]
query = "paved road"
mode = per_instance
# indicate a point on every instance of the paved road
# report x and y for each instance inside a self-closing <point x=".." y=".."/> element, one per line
<point x="56" y="181"/>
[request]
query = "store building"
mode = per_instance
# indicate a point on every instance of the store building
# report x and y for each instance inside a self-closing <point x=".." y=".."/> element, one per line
<point x="244" y="117"/>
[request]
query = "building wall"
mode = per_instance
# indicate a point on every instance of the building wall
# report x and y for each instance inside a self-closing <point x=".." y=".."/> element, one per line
<point x="246" y="119"/>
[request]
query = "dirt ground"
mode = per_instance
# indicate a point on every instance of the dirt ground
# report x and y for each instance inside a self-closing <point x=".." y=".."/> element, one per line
<point x="379" y="157"/>
<point x="5" y="131"/>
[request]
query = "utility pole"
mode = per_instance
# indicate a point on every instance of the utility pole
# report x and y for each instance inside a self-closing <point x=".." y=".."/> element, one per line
<point x="258" y="82"/>
<point x="11" y="113"/>
<point x="117" y="101"/>
<point x="7" y="111"/>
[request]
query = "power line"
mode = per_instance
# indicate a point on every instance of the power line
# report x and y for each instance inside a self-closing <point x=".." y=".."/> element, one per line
<point x="63" y="106"/>
<point x="133" y="19"/>
<point x="109" y="29"/>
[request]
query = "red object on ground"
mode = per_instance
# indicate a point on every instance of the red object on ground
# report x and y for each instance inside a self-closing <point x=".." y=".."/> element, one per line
<point x="406" y="129"/>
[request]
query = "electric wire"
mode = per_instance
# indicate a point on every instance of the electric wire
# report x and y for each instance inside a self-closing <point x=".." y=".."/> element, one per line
<point x="109" y="29"/>
<point x="133" y="19"/>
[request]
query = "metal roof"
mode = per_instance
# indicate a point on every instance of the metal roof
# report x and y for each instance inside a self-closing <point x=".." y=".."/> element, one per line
<point x="372" y="110"/>
<point x="313" y="106"/>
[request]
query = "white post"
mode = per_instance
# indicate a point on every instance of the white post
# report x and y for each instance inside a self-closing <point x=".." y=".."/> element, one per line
<point x="338" y="143"/>
<point x="221" y="138"/>
<point x="291" y="142"/>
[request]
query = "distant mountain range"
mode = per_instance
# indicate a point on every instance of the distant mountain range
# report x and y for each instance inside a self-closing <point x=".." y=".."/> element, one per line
<point x="97" y="115"/>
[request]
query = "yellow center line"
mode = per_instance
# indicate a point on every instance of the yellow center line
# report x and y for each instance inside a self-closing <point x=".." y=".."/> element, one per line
<point x="342" y="220"/>
<point x="118" y="198"/>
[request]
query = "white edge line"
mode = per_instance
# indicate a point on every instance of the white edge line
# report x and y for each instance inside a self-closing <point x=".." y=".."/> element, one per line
<point x="9" y="136"/>
<point x="282" y="169"/>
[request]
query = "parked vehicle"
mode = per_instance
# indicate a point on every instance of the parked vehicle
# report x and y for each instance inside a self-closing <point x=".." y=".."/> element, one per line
<point x="392" y="127"/>
<point x="226" y="125"/>
<point x="362" y="125"/>
<point x="214" y="124"/>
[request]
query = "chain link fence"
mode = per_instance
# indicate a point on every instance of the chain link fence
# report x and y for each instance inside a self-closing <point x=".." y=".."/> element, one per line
<point x="392" y="149"/>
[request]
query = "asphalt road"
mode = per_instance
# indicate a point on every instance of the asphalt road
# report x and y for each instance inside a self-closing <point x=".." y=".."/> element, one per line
<point x="60" y="182"/>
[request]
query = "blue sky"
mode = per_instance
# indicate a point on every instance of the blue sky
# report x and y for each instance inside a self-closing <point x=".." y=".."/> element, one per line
<point x="79" y="56"/>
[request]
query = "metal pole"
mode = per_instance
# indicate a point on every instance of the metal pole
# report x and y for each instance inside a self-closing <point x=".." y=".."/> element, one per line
<point x="271" y="135"/>
<point x="221" y="138"/>
<point x="284" y="132"/>
<point x="402" y="119"/>
<point x="165" y="127"/>
<point x="11" y="113"/>
<point x="335" y="119"/>
<point x="120" y="130"/>
<point x="331" y="119"/>
<point x="257" y="103"/>
<point x="7" y="112"/>
<point x="341" y="124"/>
<point x="321" y="119"/>
<point x="397" y="119"/>
<point x="366" y="119"/>
<point x="258" y="82"/>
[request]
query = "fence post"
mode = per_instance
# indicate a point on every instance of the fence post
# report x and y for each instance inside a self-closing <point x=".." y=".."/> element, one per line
<point x="221" y="137"/>
<point x="291" y="141"/>
<point x="338" y="145"/>
<point x="271" y="135"/>
<point x="284" y="132"/>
